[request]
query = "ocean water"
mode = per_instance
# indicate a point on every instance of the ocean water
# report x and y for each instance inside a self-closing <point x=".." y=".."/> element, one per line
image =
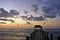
<point x="20" y="34"/>
<point x="14" y="34"/>
<point x="55" y="32"/>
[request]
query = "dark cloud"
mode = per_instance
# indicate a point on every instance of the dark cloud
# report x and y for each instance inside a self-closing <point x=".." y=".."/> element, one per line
<point x="4" y="13"/>
<point x="11" y="20"/>
<point x="50" y="16"/>
<point x="35" y="8"/>
<point x="40" y="18"/>
<point x="33" y="18"/>
<point x="7" y="20"/>
<point x="51" y="8"/>
<point x="25" y="11"/>
<point x="28" y="23"/>
<point x="24" y="17"/>
<point x="13" y="12"/>
<point x="2" y="23"/>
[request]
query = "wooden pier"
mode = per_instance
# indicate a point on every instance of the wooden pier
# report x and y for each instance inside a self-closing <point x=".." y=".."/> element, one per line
<point x="39" y="34"/>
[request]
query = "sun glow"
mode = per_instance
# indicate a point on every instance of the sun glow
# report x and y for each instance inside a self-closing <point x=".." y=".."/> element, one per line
<point x="20" y="21"/>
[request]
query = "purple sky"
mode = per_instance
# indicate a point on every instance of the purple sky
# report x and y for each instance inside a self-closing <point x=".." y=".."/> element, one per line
<point x="38" y="10"/>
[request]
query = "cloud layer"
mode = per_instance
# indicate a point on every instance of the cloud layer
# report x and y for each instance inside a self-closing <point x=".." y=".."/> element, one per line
<point x="51" y="8"/>
<point x="7" y="20"/>
<point x="40" y="18"/>
<point x="35" y="8"/>
<point x="2" y="23"/>
<point x="32" y="18"/>
<point x="4" y="13"/>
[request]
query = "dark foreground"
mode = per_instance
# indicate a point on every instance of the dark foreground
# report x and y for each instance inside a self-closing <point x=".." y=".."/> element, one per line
<point x="39" y="34"/>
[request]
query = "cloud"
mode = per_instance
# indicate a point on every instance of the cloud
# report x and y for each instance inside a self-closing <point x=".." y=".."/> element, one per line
<point x="2" y="23"/>
<point x="50" y="15"/>
<point x="4" y="13"/>
<point x="24" y="17"/>
<point x="40" y="18"/>
<point x="30" y="18"/>
<point x="7" y="20"/>
<point x="11" y="20"/>
<point x="35" y="8"/>
<point x="28" y="23"/>
<point x="33" y="18"/>
<point x="51" y="8"/>
<point x="13" y="12"/>
<point x="25" y="11"/>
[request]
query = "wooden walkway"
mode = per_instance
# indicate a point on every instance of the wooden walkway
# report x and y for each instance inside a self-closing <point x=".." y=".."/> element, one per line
<point x="39" y="34"/>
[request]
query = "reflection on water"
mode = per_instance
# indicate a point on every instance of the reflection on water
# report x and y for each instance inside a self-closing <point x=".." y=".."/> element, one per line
<point x="20" y="34"/>
<point x="14" y="34"/>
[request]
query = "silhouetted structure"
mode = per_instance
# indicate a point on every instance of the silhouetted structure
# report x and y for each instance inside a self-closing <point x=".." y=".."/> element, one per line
<point x="39" y="34"/>
<point x="38" y="27"/>
<point x="27" y="38"/>
<point x="51" y="36"/>
<point x="58" y="38"/>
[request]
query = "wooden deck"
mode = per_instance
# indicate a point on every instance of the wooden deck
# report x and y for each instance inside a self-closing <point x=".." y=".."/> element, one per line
<point x="39" y="34"/>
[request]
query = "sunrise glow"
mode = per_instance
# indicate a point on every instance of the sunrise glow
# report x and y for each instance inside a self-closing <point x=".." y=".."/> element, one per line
<point x="26" y="14"/>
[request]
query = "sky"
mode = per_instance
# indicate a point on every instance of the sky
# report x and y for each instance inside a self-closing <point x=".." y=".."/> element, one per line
<point x="27" y="13"/>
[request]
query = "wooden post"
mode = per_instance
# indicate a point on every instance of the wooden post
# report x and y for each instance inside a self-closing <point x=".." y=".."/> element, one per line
<point x="27" y="37"/>
<point x="47" y="35"/>
<point x="31" y="36"/>
<point x="58" y="38"/>
<point x="51" y="36"/>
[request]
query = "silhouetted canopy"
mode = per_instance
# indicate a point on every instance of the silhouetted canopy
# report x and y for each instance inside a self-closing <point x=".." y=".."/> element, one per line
<point x="38" y="26"/>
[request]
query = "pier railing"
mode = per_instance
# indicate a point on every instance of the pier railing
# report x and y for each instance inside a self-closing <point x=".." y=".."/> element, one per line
<point x="39" y="34"/>
<point x="46" y="36"/>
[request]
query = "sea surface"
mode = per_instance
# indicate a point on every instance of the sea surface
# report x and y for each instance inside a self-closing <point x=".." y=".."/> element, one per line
<point x="14" y="34"/>
<point x="20" y="34"/>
